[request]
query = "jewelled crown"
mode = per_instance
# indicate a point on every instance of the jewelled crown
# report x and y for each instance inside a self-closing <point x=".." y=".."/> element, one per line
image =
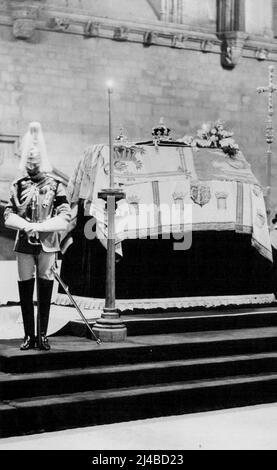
<point x="161" y="130"/>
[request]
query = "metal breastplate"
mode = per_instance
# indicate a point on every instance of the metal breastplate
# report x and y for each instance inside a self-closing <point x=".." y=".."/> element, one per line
<point x="36" y="199"/>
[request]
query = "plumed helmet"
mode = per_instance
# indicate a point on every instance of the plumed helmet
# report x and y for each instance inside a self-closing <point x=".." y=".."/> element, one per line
<point x="275" y="219"/>
<point x="33" y="139"/>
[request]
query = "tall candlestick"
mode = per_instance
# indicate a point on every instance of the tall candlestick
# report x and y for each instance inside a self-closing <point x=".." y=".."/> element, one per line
<point x="109" y="327"/>
<point x="110" y="92"/>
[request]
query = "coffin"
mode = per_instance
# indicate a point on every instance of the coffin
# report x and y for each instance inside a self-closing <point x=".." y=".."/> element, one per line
<point x="191" y="231"/>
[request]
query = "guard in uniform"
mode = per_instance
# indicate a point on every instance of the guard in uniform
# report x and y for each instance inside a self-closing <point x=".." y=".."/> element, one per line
<point x="39" y="211"/>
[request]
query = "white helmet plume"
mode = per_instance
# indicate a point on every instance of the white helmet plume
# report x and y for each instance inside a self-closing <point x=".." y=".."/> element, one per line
<point x="34" y="138"/>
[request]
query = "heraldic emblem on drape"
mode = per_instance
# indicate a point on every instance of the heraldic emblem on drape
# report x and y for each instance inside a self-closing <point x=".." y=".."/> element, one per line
<point x="200" y="194"/>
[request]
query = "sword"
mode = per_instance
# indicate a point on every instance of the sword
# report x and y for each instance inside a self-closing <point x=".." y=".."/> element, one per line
<point x="34" y="239"/>
<point x="66" y="289"/>
<point x="39" y="342"/>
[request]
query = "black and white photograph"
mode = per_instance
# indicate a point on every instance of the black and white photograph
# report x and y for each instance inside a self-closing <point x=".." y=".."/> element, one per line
<point x="138" y="228"/>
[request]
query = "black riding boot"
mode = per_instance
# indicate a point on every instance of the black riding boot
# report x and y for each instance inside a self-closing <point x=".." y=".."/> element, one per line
<point x="45" y="295"/>
<point x="26" y="292"/>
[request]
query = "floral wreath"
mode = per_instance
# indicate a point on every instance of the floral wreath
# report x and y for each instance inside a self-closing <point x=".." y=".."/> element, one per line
<point x="213" y="135"/>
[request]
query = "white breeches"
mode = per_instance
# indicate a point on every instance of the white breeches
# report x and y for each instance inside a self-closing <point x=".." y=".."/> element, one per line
<point x="27" y="266"/>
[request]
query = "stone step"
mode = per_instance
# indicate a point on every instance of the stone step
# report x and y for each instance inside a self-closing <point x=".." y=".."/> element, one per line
<point x="176" y="322"/>
<point x="13" y="386"/>
<point x="55" y="412"/>
<point x="72" y="352"/>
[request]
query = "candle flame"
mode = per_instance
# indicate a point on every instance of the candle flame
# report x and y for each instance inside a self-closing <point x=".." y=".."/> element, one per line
<point x="110" y="85"/>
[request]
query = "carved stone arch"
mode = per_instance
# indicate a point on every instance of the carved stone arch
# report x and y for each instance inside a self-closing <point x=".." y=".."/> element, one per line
<point x="170" y="11"/>
<point x="157" y="8"/>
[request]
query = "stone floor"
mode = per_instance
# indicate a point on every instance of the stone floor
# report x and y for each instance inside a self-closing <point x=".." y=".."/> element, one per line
<point x="249" y="428"/>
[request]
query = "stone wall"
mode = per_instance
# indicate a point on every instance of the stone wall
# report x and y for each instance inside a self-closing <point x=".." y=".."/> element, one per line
<point x="259" y="17"/>
<point x="119" y="9"/>
<point x="58" y="78"/>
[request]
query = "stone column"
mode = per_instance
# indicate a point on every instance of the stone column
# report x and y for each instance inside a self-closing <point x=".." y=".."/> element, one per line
<point x="231" y="29"/>
<point x="230" y="15"/>
<point x="24" y="15"/>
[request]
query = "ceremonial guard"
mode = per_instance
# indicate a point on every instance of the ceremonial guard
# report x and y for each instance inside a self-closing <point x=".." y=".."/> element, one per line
<point x="39" y="211"/>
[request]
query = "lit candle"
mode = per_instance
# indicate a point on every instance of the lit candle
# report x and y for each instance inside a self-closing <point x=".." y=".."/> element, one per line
<point x="110" y="86"/>
<point x="110" y="91"/>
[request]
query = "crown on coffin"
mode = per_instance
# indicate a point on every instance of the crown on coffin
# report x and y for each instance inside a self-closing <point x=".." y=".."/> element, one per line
<point x="161" y="131"/>
<point x="123" y="138"/>
<point x="127" y="151"/>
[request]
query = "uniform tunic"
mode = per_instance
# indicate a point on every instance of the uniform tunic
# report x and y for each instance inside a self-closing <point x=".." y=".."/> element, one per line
<point x="37" y="200"/>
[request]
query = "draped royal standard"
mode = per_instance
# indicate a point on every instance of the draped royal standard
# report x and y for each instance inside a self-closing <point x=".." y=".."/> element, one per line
<point x="173" y="189"/>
